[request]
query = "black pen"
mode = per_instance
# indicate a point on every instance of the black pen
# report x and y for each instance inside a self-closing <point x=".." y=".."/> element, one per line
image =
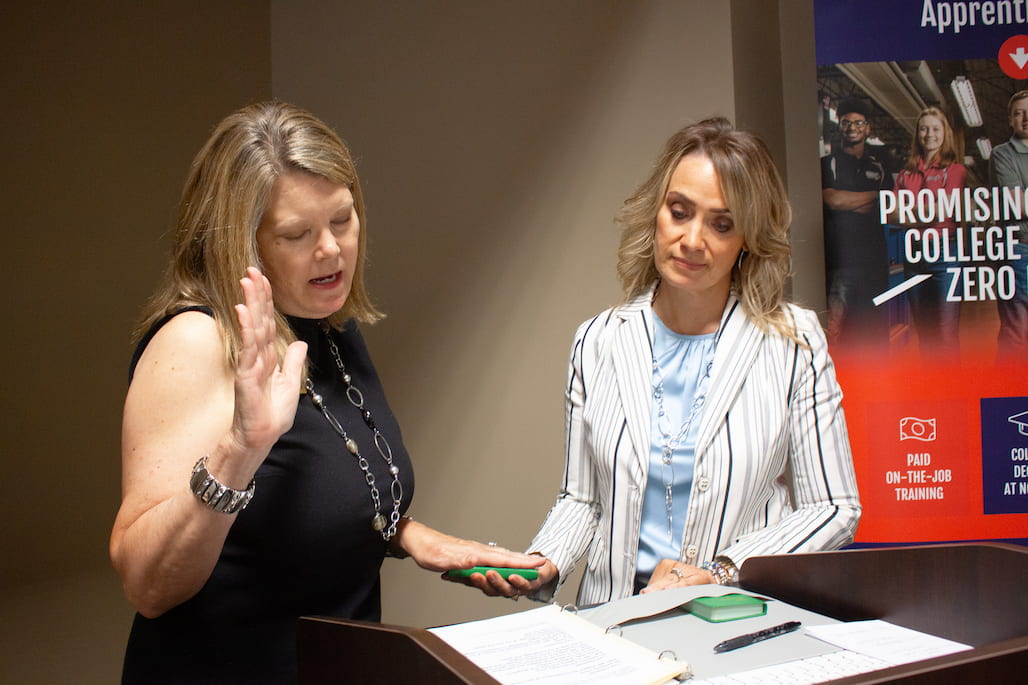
<point x="748" y="639"/>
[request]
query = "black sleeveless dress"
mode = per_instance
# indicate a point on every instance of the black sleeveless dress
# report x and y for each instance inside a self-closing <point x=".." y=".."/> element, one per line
<point x="303" y="546"/>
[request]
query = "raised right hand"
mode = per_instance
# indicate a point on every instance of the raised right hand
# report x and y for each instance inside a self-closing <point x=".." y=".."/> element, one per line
<point x="265" y="392"/>
<point x="186" y="402"/>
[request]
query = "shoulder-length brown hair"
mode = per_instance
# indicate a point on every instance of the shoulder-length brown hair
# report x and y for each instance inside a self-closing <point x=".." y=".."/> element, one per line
<point x="225" y="196"/>
<point x="756" y="196"/>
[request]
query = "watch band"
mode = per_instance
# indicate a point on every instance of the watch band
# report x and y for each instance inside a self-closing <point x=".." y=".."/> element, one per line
<point x="723" y="570"/>
<point x="220" y="498"/>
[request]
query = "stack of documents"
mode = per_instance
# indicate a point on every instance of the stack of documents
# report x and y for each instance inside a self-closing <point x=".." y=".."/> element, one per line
<point x="550" y="646"/>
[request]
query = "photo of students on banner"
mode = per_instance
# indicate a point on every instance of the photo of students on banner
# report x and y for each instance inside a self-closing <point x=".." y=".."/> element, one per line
<point x="922" y="251"/>
<point x="923" y="131"/>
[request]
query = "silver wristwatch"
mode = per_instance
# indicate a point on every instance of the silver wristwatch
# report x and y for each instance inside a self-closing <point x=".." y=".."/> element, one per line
<point x="218" y="497"/>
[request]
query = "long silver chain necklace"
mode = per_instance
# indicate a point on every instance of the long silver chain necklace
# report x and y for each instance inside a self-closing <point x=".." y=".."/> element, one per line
<point x="669" y="443"/>
<point x="379" y="522"/>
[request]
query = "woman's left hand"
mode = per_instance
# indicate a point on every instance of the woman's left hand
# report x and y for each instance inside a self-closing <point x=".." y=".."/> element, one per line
<point x="437" y="551"/>
<point x="670" y="573"/>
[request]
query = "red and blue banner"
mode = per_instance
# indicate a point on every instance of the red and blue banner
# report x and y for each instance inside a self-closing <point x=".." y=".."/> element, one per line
<point x="926" y="263"/>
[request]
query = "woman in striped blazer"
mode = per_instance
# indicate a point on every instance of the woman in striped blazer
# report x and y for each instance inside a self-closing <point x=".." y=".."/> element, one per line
<point x="703" y="417"/>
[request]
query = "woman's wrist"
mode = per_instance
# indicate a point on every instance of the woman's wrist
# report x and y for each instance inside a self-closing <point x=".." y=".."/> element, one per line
<point x="395" y="547"/>
<point x="723" y="570"/>
<point x="234" y="463"/>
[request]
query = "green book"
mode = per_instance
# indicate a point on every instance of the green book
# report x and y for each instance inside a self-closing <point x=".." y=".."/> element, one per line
<point x="726" y="607"/>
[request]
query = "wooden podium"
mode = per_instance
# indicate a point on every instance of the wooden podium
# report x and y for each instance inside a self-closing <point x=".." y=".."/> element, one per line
<point x="971" y="593"/>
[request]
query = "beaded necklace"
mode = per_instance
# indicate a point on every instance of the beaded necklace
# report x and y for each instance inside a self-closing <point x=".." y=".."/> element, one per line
<point x="669" y="443"/>
<point x="387" y="527"/>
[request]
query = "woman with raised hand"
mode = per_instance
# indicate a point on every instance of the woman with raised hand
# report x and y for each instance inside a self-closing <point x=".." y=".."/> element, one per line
<point x="264" y="476"/>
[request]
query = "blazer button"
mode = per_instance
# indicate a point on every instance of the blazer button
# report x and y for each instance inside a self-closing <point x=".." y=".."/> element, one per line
<point x="691" y="551"/>
<point x="703" y="484"/>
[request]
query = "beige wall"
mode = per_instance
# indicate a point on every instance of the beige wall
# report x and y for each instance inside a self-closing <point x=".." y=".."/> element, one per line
<point x="495" y="144"/>
<point x="104" y="105"/>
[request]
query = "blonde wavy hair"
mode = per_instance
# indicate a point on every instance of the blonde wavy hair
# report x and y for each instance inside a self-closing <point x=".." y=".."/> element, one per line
<point x="225" y="196"/>
<point x="755" y="194"/>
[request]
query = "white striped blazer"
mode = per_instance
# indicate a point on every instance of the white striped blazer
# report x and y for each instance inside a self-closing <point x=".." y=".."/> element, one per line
<point x="773" y="472"/>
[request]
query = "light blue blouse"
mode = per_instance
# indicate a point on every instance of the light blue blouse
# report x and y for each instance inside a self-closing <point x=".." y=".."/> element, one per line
<point x="682" y="363"/>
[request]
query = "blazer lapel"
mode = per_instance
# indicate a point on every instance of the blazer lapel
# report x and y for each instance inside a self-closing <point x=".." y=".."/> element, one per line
<point x="632" y="358"/>
<point x="738" y="343"/>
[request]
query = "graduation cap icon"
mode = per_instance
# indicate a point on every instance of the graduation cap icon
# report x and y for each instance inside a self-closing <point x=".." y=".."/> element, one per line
<point x="1021" y="420"/>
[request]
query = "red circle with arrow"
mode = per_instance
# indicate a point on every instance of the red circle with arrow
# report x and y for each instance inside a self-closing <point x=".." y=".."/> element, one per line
<point x="1013" y="57"/>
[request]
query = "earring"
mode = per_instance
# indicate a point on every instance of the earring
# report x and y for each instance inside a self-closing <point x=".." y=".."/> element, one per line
<point x="738" y="263"/>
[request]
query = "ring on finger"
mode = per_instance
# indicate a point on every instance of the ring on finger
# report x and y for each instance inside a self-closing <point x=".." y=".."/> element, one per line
<point x="677" y="572"/>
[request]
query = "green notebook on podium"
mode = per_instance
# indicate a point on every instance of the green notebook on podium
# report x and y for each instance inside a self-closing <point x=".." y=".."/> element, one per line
<point x="728" y="607"/>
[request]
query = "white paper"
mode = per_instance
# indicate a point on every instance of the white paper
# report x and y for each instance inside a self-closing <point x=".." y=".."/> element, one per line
<point x="547" y="646"/>
<point x="886" y="641"/>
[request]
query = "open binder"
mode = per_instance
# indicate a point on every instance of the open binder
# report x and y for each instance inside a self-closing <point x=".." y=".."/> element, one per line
<point x="552" y="645"/>
<point x="970" y="593"/>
